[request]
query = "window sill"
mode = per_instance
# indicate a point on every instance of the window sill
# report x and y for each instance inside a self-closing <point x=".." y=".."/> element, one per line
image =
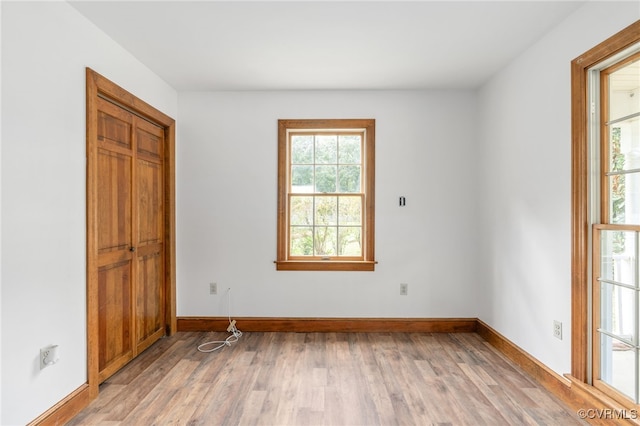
<point x="324" y="265"/>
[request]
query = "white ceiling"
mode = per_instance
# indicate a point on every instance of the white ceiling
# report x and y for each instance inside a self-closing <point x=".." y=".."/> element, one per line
<point x="266" y="45"/>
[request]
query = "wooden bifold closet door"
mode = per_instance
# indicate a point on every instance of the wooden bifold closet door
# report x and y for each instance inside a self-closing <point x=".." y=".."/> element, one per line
<point x="130" y="235"/>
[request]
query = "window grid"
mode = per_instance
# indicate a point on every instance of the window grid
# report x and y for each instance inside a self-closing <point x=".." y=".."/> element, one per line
<point x="619" y="275"/>
<point x="319" y="226"/>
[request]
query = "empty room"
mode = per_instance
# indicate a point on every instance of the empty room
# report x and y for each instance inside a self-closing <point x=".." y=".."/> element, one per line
<point x="319" y="212"/>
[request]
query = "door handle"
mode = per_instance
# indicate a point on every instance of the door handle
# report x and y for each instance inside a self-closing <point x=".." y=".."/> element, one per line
<point x="132" y="249"/>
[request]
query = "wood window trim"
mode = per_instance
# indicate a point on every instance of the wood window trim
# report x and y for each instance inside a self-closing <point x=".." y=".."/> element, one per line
<point x="579" y="192"/>
<point x="283" y="263"/>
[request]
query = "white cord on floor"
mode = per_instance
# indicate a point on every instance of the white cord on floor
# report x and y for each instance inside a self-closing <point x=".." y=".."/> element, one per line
<point x="234" y="337"/>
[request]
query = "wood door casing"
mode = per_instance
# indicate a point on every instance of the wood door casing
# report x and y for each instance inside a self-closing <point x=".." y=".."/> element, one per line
<point x="130" y="227"/>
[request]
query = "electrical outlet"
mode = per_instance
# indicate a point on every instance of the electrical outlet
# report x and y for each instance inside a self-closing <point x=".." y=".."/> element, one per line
<point x="557" y="329"/>
<point x="404" y="289"/>
<point x="213" y="288"/>
<point x="44" y="356"/>
<point x="48" y="356"/>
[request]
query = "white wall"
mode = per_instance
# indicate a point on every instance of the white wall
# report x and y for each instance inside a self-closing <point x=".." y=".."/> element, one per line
<point x="226" y="206"/>
<point x="45" y="48"/>
<point x="0" y="217"/>
<point x="526" y="184"/>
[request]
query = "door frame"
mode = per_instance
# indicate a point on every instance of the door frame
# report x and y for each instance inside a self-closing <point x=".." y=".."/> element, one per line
<point x="98" y="86"/>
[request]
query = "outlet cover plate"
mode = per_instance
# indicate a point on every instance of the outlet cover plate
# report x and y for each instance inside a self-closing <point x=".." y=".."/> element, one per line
<point x="404" y="289"/>
<point x="557" y="329"/>
<point x="48" y="356"/>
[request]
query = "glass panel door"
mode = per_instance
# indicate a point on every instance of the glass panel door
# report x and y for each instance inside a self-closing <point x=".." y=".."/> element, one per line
<point x="618" y="316"/>
<point x="616" y="241"/>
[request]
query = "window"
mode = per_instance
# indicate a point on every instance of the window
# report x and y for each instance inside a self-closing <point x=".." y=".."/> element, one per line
<point x="605" y="301"/>
<point x="616" y="288"/>
<point x="326" y="171"/>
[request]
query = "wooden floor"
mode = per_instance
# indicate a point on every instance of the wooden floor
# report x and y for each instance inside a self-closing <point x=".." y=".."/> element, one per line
<point x="324" y="378"/>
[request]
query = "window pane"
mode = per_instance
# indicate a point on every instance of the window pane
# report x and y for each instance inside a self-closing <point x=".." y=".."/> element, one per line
<point x="349" y="149"/>
<point x="326" y="240"/>
<point x="301" y="211"/>
<point x="302" y="149"/>
<point x="350" y="210"/>
<point x="624" y="198"/>
<point x="617" y="210"/>
<point x="349" y="178"/>
<point x="326" y="149"/>
<point x="624" y="145"/>
<point x="617" y="365"/>
<point x="349" y="241"/>
<point x="617" y="310"/>
<point x="301" y="241"/>
<point x="623" y="84"/>
<point x="618" y="259"/>
<point x="326" y="178"/>
<point x="326" y="210"/>
<point x="302" y="179"/>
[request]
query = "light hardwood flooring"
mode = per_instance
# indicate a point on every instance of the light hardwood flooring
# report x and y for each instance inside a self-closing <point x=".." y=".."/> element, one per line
<point x="324" y="379"/>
